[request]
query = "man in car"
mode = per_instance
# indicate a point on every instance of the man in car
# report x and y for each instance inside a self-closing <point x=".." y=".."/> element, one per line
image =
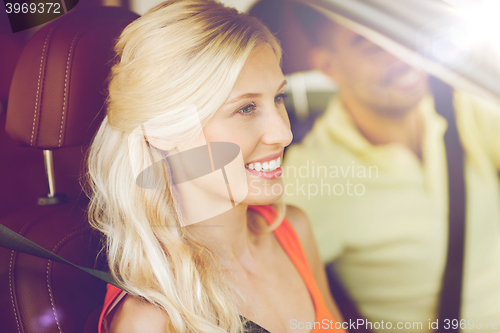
<point x="372" y="177"/>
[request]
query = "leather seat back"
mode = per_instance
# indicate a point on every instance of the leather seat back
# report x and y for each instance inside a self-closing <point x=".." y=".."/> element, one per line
<point x="56" y="101"/>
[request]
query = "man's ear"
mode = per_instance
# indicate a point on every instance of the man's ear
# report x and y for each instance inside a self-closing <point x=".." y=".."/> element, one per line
<point x="324" y="60"/>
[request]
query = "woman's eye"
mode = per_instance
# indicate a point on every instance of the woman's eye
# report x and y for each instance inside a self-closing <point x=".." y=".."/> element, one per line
<point x="248" y="109"/>
<point x="280" y="98"/>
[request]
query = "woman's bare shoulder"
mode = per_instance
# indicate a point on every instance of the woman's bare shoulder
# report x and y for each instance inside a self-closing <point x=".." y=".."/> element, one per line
<point x="133" y="315"/>
<point x="300" y="222"/>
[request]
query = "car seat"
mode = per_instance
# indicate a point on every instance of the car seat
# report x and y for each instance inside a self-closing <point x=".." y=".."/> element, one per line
<point x="56" y="105"/>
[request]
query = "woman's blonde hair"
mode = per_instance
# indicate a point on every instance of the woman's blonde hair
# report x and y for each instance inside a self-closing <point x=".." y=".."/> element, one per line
<point x="182" y="53"/>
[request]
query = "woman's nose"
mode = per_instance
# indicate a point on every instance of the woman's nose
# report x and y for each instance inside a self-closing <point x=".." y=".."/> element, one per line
<point x="277" y="129"/>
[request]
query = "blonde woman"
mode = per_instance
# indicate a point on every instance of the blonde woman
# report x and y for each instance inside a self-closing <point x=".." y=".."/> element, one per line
<point x="196" y="87"/>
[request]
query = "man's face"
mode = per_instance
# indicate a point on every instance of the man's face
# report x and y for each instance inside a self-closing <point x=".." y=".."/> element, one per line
<point x="371" y="76"/>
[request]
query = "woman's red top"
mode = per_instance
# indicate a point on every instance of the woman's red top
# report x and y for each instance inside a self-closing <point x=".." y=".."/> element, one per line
<point x="286" y="236"/>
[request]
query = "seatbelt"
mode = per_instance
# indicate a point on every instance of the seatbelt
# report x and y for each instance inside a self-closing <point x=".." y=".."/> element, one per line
<point x="14" y="241"/>
<point x="347" y="306"/>
<point x="451" y="290"/>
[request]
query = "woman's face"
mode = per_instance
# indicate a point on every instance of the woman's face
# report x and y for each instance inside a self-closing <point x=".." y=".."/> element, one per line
<point x="254" y="118"/>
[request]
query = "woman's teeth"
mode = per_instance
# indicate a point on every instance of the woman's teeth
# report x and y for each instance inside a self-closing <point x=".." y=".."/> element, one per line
<point x="265" y="166"/>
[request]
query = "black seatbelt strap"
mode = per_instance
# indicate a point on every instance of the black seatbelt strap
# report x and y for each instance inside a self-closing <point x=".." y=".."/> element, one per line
<point x="14" y="241"/>
<point x="451" y="291"/>
<point x="347" y="306"/>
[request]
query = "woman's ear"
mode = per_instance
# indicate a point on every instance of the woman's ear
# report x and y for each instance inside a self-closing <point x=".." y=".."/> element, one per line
<point x="160" y="144"/>
<point x="175" y="147"/>
<point x="324" y="60"/>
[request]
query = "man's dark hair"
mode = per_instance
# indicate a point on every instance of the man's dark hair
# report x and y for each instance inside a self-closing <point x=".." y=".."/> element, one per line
<point x="316" y="26"/>
<point x="270" y="12"/>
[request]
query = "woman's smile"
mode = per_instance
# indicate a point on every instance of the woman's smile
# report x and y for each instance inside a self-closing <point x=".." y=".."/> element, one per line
<point x="268" y="167"/>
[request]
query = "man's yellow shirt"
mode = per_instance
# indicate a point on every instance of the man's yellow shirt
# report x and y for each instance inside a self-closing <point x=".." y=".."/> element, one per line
<point x="382" y="214"/>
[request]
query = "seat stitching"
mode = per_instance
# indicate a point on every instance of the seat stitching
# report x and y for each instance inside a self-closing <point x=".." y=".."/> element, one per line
<point x="66" y="87"/>
<point x="48" y="278"/>
<point x="10" y="282"/>
<point x="77" y="35"/>
<point x="12" y="292"/>
<point x="38" y="85"/>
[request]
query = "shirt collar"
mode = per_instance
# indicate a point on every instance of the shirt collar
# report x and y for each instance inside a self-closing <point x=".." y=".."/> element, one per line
<point x="341" y="125"/>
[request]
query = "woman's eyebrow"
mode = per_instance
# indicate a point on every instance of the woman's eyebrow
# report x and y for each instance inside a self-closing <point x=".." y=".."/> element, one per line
<point x="281" y="85"/>
<point x="254" y="95"/>
<point x="249" y="95"/>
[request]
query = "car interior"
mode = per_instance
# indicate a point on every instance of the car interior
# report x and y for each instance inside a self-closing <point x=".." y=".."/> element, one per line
<point x="52" y="94"/>
<point x="55" y="105"/>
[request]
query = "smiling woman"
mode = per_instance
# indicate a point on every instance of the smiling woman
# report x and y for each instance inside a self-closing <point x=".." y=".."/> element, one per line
<point x="195" y="118"/>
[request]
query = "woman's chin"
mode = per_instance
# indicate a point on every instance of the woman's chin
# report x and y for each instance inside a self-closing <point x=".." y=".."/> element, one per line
<point x="263" y="192"/>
